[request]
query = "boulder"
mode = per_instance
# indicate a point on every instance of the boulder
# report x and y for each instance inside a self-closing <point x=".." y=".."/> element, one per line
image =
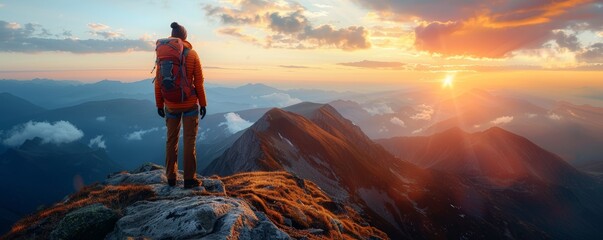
<point x="90" y="222"/>
<point x="193" y="217"/>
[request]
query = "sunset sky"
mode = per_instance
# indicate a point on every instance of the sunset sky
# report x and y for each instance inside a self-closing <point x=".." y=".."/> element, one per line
<point x="306" y="41"/>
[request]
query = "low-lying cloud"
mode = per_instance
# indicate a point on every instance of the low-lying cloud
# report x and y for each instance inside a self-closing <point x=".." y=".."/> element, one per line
<point x="97" y="142"/>
<point x="281" y="99"/>
<point x="379" y="109"/>
<point x="137" y="135"/>
<point x="502" y="120"/>
<point x="554" y="116"/>
<point x="398" y="121"/>
<point x="424" y="112"/>
<point x="57" y="133"/>
<point x="235" y="123"/>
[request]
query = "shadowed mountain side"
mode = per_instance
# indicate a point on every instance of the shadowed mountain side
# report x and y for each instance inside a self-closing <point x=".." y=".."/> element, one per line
<point x="37" y="174"/>
<point x="139" y="204"/>
<point x="15" y="108"/>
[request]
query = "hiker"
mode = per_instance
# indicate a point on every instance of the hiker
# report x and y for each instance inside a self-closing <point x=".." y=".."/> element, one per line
<point x="180" y="99"/>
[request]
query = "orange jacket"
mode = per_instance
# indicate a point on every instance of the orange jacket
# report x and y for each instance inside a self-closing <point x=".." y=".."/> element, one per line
<point x="194" y="73"/>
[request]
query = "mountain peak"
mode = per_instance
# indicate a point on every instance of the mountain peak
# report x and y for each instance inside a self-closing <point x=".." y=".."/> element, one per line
<point x="140" y="204"/>
<point x="495" y="154"/>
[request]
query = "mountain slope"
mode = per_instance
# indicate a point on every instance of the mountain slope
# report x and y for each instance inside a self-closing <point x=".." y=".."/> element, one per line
<point x="36" y="174"/>
<point x="495" y="154"/>
<point x="14" y="107"/>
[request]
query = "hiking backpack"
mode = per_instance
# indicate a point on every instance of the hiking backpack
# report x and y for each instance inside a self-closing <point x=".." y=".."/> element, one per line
<point x="171" y="68"/>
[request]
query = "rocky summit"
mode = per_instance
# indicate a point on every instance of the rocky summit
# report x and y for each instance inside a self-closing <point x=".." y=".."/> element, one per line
<point x="139" y="204"/>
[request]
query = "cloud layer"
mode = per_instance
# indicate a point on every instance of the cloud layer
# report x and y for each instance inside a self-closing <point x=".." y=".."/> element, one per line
<point x="33" y="38"/>
<point x="235" y="123"/>
<point x="502" y="120"/>
<point x="379" y="109"/>
<point x="137" y="135"/>
<point x="281" y="99"/>
<point x="56" y="133"/>
<point x="97" y="142"/>
<point x="424" y="112"/>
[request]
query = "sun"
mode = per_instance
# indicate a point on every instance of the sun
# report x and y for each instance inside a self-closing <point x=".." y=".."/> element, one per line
<point x="447" y="82"/>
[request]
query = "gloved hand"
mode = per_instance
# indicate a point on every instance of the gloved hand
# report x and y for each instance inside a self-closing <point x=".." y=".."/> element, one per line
<point x="161" y="112"/>
<point x="202" y="112"/>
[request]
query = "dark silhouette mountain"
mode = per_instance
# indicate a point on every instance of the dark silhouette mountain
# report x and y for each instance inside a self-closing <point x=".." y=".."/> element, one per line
<point x="313" y="141"/>
<point x="15" y="108"/>
<point x="37" y="173"/>
<point x="570" y="131"/>
<point x="139" y="204"/>
<point x="55" y="94"/>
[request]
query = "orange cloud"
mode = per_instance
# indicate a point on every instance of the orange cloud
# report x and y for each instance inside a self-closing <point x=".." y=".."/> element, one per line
<point x="490" y="28"/>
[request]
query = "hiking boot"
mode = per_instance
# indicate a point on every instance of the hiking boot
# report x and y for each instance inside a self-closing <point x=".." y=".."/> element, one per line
<point x="172" y="182"/>
<point x="191" y="183"/>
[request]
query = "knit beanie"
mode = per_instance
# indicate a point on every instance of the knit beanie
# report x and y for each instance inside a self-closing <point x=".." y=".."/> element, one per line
<point x="178" y="31"/>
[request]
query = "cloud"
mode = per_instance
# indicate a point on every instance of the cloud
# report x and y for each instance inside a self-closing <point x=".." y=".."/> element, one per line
<point x="424" y="113"/>
<point x="379" y="109"/>
<point x="417" y="131"/>
<point x="592" y="54"/>
<point x="284" y="24"/>
<point x="567" y="41"/>
<point x="101" y="118"/>
<point x="235" y="123"/>
<point x="490" y="28"/>
<point x="57" y="133"/>
<point x="374" y="64"/>
<point x="236" y="32"/>
<point x="97" y="26"/>
<point x="32" y="38"/>
<point x="322" y="5"/>
<point x="554" y="116"/>
<point x="281" y="99"/>
<point x="137" y="135"/>
<point x="398" y="121"/>
<point x="383" y="129"/>
<point x="293" y="66"/>
<point x="531" y="115"/>
<point x="292" y="23"/>
<point x="97" y="142"/>
<point x="502" y="120"/>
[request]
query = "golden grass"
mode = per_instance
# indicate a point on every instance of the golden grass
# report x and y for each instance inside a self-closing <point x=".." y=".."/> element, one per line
<point x="41" y="224"/>
<point x="296" y="206"/>
<point x="282" y="196"/>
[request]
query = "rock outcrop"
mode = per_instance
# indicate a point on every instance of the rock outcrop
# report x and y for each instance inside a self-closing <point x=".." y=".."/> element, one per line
<point x="140" y="205"/>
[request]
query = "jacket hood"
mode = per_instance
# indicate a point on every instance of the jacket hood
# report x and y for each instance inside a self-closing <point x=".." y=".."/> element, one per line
<point x="187" y="44"/>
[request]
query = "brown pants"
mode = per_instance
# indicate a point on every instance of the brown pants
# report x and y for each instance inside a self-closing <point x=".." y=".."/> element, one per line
<point x="191" y="124"/>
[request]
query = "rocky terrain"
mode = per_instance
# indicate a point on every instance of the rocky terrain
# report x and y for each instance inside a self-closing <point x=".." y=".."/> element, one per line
<point x="139" y="204"/>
